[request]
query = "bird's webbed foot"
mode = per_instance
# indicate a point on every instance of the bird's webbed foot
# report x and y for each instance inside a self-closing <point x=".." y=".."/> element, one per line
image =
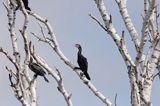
<point x="17" y="7"/>
<point x="35" y="76"/>
<point x="81" y="74"/>
<point x="76" y="68"/>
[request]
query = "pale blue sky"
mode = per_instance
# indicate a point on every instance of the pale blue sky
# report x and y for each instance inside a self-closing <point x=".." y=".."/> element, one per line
<point x="71" y="25"/>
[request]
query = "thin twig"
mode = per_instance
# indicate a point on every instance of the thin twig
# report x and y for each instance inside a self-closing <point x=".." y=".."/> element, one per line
<point x="100" y="24"/>
<point x="9" y="57"/>
<point x="115" y="100"/>
<point x="39" y="39"/>
<point x="11" y="72"/>
<point x="55" y="46"/>
<point x="41" y="30"/>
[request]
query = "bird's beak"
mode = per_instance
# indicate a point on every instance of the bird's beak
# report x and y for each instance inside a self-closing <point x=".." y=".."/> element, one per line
<point x="76" y="45"/>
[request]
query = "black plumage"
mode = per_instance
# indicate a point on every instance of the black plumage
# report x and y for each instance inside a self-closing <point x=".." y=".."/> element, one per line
<point x="25" y="2"/>
<point x="82" y="62"/>
<point x="38" y="70"/>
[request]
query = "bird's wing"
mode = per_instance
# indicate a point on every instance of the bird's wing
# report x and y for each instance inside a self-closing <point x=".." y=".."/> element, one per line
<point x="83" y="63"/>
<point x="36" y="67"/>
<point x="25" y="2"/>
<point x="86" y="63"/>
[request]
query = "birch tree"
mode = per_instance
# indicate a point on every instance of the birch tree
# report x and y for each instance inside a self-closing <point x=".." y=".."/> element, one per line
<point x="22" y="84"/>
<point x="142" y="69"/>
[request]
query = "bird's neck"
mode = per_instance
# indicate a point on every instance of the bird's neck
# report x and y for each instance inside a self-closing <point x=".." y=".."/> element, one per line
<point x="79" y="51"/>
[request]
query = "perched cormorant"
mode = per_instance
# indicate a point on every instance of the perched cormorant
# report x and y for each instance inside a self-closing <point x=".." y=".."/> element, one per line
<point x="82" y="62"/>
<point x="25" y="2"/>
<point x="38" y="70"/>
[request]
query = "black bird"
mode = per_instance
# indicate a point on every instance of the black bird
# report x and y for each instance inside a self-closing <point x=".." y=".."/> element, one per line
<point x="25" y="2"/>
<point x="82" y="62"/>
<point x="38" y="70"/>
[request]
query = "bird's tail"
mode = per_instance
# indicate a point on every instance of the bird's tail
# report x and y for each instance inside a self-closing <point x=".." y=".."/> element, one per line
<point x="46" y="79"/>
<point x="87" y="75"/>
<point x="28" y="8"/>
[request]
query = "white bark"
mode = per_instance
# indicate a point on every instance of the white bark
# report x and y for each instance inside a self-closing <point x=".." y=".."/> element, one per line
<point x="120" y="42"/>
<point x="20" y="86"/>
<point x="54" y="45"/>
<point x="141" y="72"/>
<point x="55" y="74"/>
<point x="145" y="26"/>
<point x="128" y="22"/>
<point x="23" y="87"/>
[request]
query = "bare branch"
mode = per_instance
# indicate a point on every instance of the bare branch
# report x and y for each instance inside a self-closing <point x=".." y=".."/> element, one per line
<point x="132" y="71"/>
<point x="128" y="22"/>
<point x="62" y="90"/>
<point x="13" y="74"/>
<point x="9" y="58"/>
<point x="10" y="79"/>
<point x="11" y="22"/>
<point x="157" y="74"/>
<point x="141" y="72"/>
<point x="21" y="78"/>
<point x="41" y="30"/>
<point x="52" y="72"/>
<point x="98" y="22"/>
<point x="145" y="7"/>
<point x="115" y="100"/>
<point x="54" y="44"/>
<point x="147" y="81"/>
<point x="39" y="38"/>
<point x="144" y="30"/>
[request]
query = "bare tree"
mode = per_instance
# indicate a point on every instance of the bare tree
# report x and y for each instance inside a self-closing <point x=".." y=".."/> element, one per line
<point x="22" y="84"/>
<point x="141" y="72"/>
<point x="24" y="87"/>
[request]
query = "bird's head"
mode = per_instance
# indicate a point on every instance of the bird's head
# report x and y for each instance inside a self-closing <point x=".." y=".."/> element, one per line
<point x="78" y="46"/>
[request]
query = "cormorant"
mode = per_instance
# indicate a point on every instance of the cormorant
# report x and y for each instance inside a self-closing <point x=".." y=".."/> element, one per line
<point x="25" y="2"/>
<point x="82" y="62"/>
<point x="38" y="70"/>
